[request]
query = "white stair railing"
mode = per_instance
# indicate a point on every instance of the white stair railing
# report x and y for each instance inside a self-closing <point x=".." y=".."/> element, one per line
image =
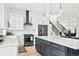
<point x="56" y="25"/>
<point x="54" y="28"/>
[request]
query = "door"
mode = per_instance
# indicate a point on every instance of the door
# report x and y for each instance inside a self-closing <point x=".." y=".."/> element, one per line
<point x="42" y="30"/>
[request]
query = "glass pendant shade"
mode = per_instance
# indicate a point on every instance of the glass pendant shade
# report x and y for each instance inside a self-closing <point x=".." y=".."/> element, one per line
<point x="44" y="19"/>
<point x="60" y="9"/>
<point x="60" y="12"/>
<point x="50" y="13"/>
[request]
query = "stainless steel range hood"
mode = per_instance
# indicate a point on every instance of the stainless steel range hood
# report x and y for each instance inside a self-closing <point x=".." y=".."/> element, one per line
<point x="27" y="18"/>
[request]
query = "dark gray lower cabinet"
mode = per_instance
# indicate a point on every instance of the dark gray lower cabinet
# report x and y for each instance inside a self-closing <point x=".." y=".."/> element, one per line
<point x="72" y="52"/>
<point x="42" y="46"/>
<point x="56" y="50"/>
<point x="53" y="51"/>
<point x="46" y="48"/>
<point x="38" y="45"/>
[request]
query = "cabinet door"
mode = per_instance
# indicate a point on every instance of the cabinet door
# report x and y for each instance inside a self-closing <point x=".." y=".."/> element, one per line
<point x="16" y="22"/>
<point x="60" y="47"/>
<point x="56" y="50"/>
<point x="46" y="50"/>
<point x="42" y="46"/>
<point x="20" y="39"/>
<point x="2" y="16"/>
<point x="51" y="51"/>
<point x="71" y="52"/>
<point x="38" y="45"/>
<point x="41" y="49"/>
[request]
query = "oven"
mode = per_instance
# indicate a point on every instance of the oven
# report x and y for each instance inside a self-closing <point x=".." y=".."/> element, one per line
<point x="28" y="40"/>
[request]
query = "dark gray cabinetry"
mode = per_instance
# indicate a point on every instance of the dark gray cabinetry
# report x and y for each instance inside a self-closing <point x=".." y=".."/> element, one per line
<point x="42" y="46"/>
<point x="56" y="50"/>
<point x="72" y="52"/>
<point x="47" y="48"/>
<point x="38" y="45"/>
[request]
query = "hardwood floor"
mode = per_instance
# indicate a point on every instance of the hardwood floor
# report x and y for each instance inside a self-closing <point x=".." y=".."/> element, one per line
<point x="31" y="51"/>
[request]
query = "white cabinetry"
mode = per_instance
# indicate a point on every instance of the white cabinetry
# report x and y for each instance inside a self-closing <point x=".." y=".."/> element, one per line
<point x="9" y="51"/>
<point x="20" y="39"/>
<point x="16" y="26"/>
<point x="16" y="22"/>
<point x="9" y="47"/>
<point x="2" y="16"/>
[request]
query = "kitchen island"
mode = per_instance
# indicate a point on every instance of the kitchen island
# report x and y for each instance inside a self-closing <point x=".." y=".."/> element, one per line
<point x="9" y="47"/>
<point x="57" y="46"/>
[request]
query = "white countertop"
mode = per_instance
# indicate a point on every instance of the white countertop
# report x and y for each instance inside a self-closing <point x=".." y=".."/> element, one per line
<point x="9" y="41"/>
<point x="68" y="42"/>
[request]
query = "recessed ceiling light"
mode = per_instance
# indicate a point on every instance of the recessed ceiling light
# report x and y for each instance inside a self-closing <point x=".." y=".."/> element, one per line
<point x="18" y="6"/>
<point x="76" y="9"/>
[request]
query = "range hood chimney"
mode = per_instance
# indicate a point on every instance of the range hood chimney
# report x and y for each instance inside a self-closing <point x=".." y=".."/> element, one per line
<point x="27" y="18"/>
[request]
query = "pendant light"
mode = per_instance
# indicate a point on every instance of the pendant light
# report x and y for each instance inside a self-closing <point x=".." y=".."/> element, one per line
<point x="50" y="13"/>
<point x="44" y="15"/>
<point x="44" y="10"/>
<point x="60" y="9"/>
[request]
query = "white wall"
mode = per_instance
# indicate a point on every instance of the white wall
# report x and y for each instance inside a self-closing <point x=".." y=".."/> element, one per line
<point x="77" y="27"/>
<point x="2" y="19"/>
<point x="27" y="29"/>
<point x="2" y="16"/>
<point x="36" y="19"/>
<point x="36" y="11"/>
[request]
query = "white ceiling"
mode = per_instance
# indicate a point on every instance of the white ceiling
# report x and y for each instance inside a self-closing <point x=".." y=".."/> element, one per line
<point x="68" y="9"/>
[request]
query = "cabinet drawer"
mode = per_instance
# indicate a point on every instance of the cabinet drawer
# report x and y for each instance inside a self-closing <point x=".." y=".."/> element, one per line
<point x="55" y="52"/>
<point x="62" y="48"/>
<point x="58" y="52"/>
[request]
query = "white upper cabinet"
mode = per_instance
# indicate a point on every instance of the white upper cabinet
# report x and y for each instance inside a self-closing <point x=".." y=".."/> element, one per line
<point x="16" y="22"/>
<point x="2" y="16"/>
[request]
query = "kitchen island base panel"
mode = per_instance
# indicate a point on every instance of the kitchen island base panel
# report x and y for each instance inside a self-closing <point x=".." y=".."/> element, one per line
<point x="47" y="48"/>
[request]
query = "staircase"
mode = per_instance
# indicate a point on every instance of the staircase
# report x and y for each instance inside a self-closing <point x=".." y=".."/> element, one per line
<point x="61" y="27"/>
<point x="62" y="24"/>
<point x="66" y="23"/>
<point x="57" y="26"/>
<point x="54" y="28"/>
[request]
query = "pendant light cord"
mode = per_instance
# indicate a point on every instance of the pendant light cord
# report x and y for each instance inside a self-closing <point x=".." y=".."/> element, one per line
<point x="50" y="8"/>
<point x="60" y="9"/>
<point x="44" y="9"/>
